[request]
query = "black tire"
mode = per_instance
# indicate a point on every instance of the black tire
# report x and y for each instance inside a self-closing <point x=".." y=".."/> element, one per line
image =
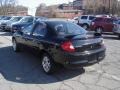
<point x="46" y="58"/>
<point x="85" y="26"/>
<point x="99" y="30"/>
<point x="119" y="36"/>
<point x="16" y="46"/>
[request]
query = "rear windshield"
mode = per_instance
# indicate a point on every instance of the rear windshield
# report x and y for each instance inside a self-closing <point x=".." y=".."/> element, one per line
<point x="67" y="28"/>
<point x="98" y="19"/>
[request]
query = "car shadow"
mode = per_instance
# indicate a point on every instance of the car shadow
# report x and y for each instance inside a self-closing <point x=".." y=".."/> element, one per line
<point x="24" y="67"/>
<point x="5" y="33"/>
<point x="110" y="37"/>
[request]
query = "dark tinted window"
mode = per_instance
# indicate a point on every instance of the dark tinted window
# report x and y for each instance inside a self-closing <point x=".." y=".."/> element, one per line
<point x="91" y="17"/>
<point x="84" y="17"/>
<point x="98" y="19"/>
<point x="40" y="29"/>
<point x="67" y="28"/>
<point x="27" y="29"/>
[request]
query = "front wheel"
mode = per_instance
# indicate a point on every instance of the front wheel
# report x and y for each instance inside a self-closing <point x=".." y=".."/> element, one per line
<point x="15" y="46"/>
<point x="48" y="64"/>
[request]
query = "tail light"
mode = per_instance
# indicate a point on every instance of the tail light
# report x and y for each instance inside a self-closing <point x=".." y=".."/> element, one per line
<point x="93" y="23"/>
<point x="68" y="47"/>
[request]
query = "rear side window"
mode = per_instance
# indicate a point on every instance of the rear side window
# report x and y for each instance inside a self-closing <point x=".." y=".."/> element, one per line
<point x="84" y="17"/>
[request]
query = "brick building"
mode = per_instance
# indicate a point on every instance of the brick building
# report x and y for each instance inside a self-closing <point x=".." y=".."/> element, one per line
<point x="78" y="4"/>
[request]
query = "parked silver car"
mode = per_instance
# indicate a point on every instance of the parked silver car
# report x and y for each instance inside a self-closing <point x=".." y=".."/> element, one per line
<point x="7" y="25"/>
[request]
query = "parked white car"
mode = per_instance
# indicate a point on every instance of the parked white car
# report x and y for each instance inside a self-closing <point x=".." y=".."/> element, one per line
<point x="85" y="20"/>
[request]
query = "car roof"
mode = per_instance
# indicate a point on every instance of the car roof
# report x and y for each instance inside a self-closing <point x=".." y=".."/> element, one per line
<point x="16" y="16"/>
<point x="57" y="21"/>
<point x="54" y="21"/>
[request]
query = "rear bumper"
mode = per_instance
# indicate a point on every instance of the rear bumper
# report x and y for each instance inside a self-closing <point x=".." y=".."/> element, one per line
<point x="83" y="59"/>
<point x="116" y="32"/>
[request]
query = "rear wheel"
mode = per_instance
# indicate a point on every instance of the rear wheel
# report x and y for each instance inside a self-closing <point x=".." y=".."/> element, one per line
<point x="85" y="26"/>
<point x="99" y="30"/>
<point x="119" y="36"/>
<point x="15" y="46"/>
<point x="48" y="64"/>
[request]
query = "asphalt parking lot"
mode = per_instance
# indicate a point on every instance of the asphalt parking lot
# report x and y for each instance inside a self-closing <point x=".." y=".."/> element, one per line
<point x="22" y="71"/>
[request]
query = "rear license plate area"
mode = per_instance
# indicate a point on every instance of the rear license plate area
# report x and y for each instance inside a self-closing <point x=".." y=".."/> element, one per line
<point x="92" y="58"/>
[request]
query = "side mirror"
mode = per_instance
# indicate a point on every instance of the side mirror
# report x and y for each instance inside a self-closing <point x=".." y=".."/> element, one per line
<point x="20" y="32"/>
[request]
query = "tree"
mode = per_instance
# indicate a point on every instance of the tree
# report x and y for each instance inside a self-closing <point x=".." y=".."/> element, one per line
<point x="7" y="6"/>
<point x="40" y="9"/>
<point x="102" y="6"/>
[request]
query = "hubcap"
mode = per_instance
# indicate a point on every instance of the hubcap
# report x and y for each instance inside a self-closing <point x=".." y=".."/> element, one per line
<point x="99" y="30"/>
<point x="85" y="26"/>
<point x="14" y="45"/>
<point x="46" y="64"/>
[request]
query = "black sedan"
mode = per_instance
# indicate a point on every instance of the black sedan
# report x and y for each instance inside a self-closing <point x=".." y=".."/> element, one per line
<point x="60" y="42"/>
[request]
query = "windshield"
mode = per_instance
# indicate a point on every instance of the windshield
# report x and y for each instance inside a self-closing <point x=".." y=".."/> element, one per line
<point x="68" y="29"/>
<point x="27" y="19"/>
<point x="14" y="19"/>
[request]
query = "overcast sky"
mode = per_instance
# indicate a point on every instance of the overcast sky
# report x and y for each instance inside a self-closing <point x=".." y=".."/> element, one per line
<point x="35" y="3"/>
<point x="32" y="4"/>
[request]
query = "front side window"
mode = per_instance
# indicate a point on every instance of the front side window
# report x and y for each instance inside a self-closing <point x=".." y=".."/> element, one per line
<point x="28" y="29"/>
<point x="40" y="30"/>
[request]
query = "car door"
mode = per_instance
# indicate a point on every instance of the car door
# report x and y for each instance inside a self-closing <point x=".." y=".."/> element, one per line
<point x="26" y="37"/>
<point x="39" y="35"/>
